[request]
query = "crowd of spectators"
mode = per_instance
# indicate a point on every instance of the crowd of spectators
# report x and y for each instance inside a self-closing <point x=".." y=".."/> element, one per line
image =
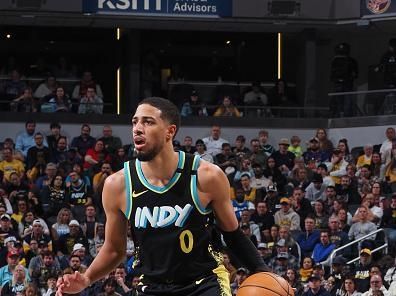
<point x="51" y="214"/>
<point x="255" y="102"/>
<point x="297" y="204"/>
<point x="50" y="95"/>
<point x="20" y="93"/>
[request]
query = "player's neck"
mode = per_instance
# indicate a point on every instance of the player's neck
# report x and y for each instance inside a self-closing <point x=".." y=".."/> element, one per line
<point x="162" y="167"/>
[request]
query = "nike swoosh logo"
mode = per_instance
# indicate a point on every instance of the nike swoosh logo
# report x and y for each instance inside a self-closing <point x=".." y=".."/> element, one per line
<point x="134" y="194"/>
<point x="198" y="282"/>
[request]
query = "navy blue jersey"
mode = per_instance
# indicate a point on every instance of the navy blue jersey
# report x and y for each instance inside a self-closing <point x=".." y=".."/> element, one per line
<point x="170" y="225"/>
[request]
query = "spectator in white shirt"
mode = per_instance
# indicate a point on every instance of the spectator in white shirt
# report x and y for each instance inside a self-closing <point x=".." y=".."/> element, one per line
<point x="375" y="213"/>
<point x="258" y="180"/>
<point x="214" y="142"/>
<point x="47" y="88"/>
<point x="323" y="171"/>
<point x="387" y="144"/>
<point x="201" y="151"/>
<point x="337" y="166"/>
<point x="376" y="286"/>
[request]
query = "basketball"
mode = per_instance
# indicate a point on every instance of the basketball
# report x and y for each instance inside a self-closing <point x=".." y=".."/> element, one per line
<point x="265" y="284"/>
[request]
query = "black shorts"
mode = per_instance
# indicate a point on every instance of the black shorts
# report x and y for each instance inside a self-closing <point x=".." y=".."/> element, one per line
<point x="216" y="284"/>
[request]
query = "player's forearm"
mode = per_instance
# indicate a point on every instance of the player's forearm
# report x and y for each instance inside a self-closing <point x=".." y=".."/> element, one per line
<point x="105" y="262"/>
<point x="244" y="249"/>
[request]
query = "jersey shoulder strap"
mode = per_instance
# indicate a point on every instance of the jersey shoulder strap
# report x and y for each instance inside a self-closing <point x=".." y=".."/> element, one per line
<point x="194" y="186"/>
<point x="128" y="188"/>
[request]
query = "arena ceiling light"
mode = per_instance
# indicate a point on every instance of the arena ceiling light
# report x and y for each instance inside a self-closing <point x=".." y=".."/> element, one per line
<point x="118" y="36"/>
<point x="279" y="55"/>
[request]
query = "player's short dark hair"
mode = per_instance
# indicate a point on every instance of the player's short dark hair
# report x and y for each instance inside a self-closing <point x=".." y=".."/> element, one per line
<point x="168" y="110"/>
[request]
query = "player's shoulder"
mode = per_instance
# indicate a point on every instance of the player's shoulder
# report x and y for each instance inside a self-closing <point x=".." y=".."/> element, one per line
<point x="209" y="173"/>
<point x="208" y="168"/>
<point x="116" y="181"/>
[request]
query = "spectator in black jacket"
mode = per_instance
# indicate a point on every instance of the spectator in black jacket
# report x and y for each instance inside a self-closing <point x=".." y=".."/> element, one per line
<point x="66" y="242"/>
<point x="284" y="159"/>
<point x="344" y="70"/>
<point x="273" y="173"/>
<point x="388" y="65"/>
<point x="263" y="217"/>
<point x="38" y="154"/>
<point x="54" y="136"/>
<point x="347" y="192"/>
<point x="314" y="152"/>
<point x="301" y="205"/>
<point x="84" y="141"/>
<point x="315" y="287"/>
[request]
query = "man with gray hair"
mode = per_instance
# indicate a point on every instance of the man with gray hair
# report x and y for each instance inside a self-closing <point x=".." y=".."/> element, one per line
<point x="214" y="142"/>
<point x="366" y="157"/>
<point x="387" y="144"/>
<point x="111" y="143"/>
<point x="376" y="286"/>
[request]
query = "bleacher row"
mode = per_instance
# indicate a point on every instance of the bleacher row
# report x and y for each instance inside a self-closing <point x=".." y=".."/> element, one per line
<point x="49" y="94"/>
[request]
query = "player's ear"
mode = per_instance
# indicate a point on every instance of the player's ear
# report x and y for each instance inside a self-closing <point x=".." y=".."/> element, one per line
<point x="171" y="132"/>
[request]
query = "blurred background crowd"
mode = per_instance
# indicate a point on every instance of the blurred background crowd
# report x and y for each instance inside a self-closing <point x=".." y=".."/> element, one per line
<point x="297" y="202"/>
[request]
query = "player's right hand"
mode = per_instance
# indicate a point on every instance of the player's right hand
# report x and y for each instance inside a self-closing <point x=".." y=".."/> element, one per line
<point x="71" y="283"/>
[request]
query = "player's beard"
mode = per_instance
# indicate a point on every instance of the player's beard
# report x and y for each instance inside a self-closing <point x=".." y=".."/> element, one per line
<point x="150" y="154"/>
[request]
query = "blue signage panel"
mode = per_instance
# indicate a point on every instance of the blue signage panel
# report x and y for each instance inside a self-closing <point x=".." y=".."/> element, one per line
<point x="197" y="8"/>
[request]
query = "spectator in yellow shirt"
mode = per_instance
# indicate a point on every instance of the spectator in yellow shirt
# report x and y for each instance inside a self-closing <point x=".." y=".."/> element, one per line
<point x="366" y="157"/>
<point x="227" y="108"/>
<point x="10" y="165"/>
<point x="99" y="178"/>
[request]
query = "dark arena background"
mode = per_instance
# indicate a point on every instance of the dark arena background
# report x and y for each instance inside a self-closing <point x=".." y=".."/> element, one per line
<point x="294" y="100"/>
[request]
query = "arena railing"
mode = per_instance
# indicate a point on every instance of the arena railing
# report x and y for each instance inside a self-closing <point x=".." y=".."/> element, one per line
<point x="364" y="102"/>
<point x="384" y="247"/>
<point x="6" y="105"/>
<point x="261" y="111"/>
<point x="246" y="111"/>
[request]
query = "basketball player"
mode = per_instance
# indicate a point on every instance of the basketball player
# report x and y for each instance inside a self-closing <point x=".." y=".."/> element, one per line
<point x="168" y="197"/>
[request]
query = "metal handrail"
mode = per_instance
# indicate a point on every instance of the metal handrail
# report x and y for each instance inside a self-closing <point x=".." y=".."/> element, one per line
<point x="71" y="103"/>
<point x="255" y="107"/>
<point x="359" y="92"/>
<point x="332" y="254"/>
<point x="219" y="83"/>
<point x="372" y="251"/>
<point x="33" y="78"/>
